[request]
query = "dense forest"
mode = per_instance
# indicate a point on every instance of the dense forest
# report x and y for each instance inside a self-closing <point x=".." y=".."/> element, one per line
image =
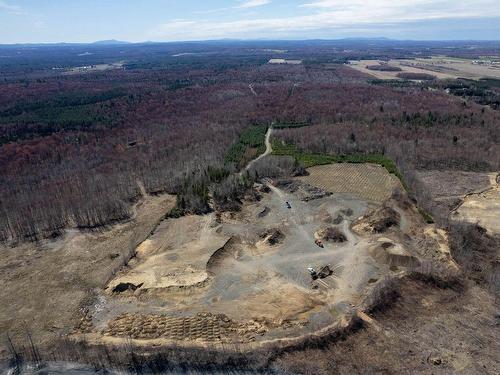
<point x="76" y="150"/>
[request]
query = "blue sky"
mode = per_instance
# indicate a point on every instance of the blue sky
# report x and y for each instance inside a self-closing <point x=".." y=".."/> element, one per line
<point x="39" y="21"/>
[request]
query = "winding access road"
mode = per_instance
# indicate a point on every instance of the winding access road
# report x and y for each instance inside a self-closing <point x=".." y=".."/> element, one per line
<point x="269" y="149"/>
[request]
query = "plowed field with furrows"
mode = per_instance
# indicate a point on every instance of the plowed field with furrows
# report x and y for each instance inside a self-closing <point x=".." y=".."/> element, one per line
<point x="368" y="181"/>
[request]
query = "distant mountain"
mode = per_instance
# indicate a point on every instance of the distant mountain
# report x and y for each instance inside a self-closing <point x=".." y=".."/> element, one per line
<point x="368" y="38"/>
<point x="110" y="42"/>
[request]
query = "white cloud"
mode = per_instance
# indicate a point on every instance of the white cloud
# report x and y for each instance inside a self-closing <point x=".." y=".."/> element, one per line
<point x="352" y="3"/>
<point x="402" y="10"/>
<point x="13" y="9"/>
<point x="331" y="15"/>
<point x="244" y="5"/>
<point x="211" y="11"/>
<point x="254" y="3"/>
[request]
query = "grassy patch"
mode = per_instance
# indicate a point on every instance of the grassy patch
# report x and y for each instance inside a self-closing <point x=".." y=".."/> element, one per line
<point x="310" y="160"/>
<point x="252" y="138"/>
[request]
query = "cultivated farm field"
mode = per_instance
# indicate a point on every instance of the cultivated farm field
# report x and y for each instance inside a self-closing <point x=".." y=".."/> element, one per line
<point x="438" y="66"/>
<point x="368" y="181"/>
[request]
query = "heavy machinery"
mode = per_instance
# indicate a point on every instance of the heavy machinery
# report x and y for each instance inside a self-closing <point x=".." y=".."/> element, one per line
<point x="319" y="243"/>
<point x="323" y="273"/>
<point x="313" y="273"/>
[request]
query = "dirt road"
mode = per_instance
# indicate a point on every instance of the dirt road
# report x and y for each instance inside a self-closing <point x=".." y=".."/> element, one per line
<point x="250" y="278"/>
<point x="293" y="217"/>
<point x="250" y="86"/>
<point x="269" y="149"/>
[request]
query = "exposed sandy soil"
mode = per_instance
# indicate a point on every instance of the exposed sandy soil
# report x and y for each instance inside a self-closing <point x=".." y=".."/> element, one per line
<point x="482" y="208"/>
<point x="224" y="278"/>
<point x="189" y="266"/>
<point x="361" y="66"/>
<point x="465" y="196"/>
<point x="269" y="148"/>
<point x="458" y="68"/>
<point x="243" y="277"/>
<point x="440" y="67"/>
<point x="46" y="285"/>
<point x="367" y="181"/>
<point x="445" y="190"/>
<point x="157" y="266"/>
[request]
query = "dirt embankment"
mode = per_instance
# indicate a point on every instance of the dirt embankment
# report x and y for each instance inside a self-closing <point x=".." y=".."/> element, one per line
<point x="217" y="258"/>
<point x="305" y="270"/>
<point x="482" y="208"/>
<point x="470" y="197"/>
<point x="290" y="275"/>
<point x="175" y="256"/>
<point x="423" y="329"/>
<point x="47" y="285"/>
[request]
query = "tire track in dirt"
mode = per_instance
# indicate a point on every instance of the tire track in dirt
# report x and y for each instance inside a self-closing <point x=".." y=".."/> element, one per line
<point x="269" y="149"/>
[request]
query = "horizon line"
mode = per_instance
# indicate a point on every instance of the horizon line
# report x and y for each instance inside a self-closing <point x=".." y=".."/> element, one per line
<point x="124" y="42"/>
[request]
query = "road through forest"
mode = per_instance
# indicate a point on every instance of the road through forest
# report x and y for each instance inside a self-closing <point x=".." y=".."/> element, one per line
<point x="269" y="149"/>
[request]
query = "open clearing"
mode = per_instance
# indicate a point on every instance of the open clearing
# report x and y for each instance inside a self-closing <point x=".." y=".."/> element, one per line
<point x="367" y="181"/>
<point x="239" y="278"/>
<point x="301" y="258"/>
<point x="438" y="66"/>
<point x="482" y="208"/>
<point x="243" y="277"/>
<point x="47" y="285"/>
<point x="467" y="196"/>
<point x="94" y="68"/>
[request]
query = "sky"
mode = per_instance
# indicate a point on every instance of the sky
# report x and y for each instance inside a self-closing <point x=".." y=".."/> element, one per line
<point x="52" y="21"/>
